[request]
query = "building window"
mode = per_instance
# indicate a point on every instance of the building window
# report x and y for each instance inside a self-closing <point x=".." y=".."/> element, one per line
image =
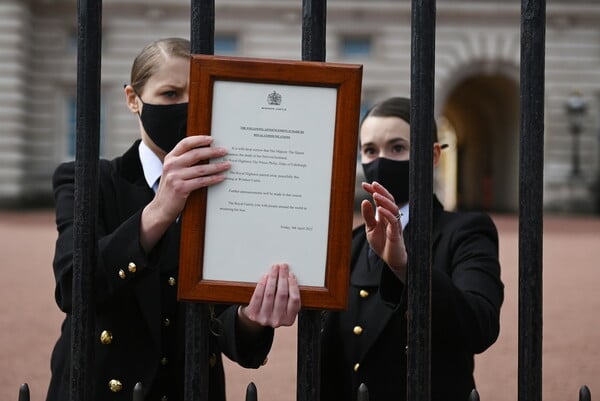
<point x="72" y="127"/>
<point x="356" y="47"/>
<point x="226" y="44"/>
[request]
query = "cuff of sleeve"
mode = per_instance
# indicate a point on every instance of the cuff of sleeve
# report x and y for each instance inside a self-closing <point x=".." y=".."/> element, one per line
<point x="249" y="350"/>
<point x="121" y="253"/>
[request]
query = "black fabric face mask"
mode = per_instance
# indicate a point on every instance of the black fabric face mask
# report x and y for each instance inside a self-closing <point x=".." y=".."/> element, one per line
<point x="392" y="174"/>
<point x="165" y="124"/>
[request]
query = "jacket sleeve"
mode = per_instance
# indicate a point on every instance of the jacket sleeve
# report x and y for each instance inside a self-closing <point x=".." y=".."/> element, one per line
<point x="118" y="250"/>
<point x="249" y="350"/>
<point x="466" y="290"/>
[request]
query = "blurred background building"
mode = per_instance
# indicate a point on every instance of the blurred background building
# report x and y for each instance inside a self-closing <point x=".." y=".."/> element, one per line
<point x="477" y="85"/>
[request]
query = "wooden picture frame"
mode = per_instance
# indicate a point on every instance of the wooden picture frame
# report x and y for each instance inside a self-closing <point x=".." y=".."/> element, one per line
<point x="298" y="125"/>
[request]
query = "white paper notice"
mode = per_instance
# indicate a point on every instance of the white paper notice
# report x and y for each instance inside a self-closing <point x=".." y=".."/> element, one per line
<point x="274" y="205"/>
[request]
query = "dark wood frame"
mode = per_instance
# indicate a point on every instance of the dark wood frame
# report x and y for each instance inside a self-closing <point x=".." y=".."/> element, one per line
<point x="346" y="78"/>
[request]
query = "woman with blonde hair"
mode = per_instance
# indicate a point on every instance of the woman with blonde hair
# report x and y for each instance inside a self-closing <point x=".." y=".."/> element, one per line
<point x="139" y="324"/>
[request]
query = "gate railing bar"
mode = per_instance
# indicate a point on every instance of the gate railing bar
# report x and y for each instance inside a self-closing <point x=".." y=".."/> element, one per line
<point x="24" y="392"/>
<point x="251" y="392"/>
<point x="197" y="335"/>
<point x="584" y="394"/>
<point x="363" y="393"/>
<point x="138" y="392"/>
<point x="308" y="382"/>
<point x="202" y="27"/>
<point x="533" y="20"/>
<point x="89" y="30"/>
<point x="420" y="198"/>
<point x="314" y="16"/>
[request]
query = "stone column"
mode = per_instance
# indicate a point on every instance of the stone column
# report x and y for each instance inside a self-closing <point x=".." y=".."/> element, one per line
<point x="14" y="27"/>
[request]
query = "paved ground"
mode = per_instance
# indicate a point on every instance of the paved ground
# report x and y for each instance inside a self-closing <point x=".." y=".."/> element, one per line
<point x="29" y="319"/>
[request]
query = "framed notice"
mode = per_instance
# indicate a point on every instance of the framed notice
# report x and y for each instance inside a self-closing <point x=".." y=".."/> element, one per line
<point x="291" y="130"/>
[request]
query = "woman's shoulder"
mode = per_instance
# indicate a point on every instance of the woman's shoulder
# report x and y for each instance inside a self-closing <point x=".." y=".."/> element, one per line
<point x="106" y="167"/>
<point x="467" y="222"/>
<point x="66" y="170"/>
<point x="466" y="216"/>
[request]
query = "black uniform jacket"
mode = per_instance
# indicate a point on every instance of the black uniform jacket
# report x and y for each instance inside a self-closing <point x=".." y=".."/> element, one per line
<point x="367" y="342"/>
<point x="139" y="325"/>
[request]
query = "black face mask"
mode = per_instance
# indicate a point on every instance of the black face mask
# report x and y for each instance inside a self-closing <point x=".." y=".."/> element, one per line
<point x="392" y="174"/>
<point x="165" y="124"/>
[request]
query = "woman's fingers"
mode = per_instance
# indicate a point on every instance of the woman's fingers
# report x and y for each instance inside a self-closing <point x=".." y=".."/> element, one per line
<point x="384" y="202"/>
<point x="287" y="300"/>
<point x="277" y="302"/>
<point x="282" y="295"/>
<point x="368" y="214"/>
<point x="270" y="292"/>
<point x="294" y="303"/>
<point x="191" y="142"/>
<point x="253" y="309"/>
<point x="184" y="170"/>
<point x="381" y="190"/>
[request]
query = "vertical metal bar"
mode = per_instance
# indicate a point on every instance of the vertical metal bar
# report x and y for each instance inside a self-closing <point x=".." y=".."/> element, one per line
<point x="420" y="198"/>
<point x="533" y="21"/>
<point x="308" y="386"/>
<point x="89" y="29"/>
<point x="363" y="393"/>
<point x="474" y="396"/>
<point x="314" y="18"/>
<point x="138" y="392"/>
<point x="251" y="392"/>
<point x="585" y="394"/>
<point x="308" y="382"/>
<point x="202" y="27"/>
<point x="197" y="333"/>
<point x="196" y="352"/>
<point x="24" y="392"/>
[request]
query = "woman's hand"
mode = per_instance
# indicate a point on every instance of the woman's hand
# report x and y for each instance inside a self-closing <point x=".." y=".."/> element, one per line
<point x="275" y="301"/>
<point x="184" y="171"/>
<point x="384" y="232"/>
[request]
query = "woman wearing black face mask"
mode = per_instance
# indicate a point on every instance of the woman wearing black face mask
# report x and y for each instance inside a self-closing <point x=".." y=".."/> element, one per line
<point x="139" y="323"/>
<point x="366" y="342"/>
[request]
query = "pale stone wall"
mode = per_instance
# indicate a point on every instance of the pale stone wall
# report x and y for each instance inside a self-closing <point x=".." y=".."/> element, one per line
<point x="14" y="26"/>
<point x="38" y="63"/>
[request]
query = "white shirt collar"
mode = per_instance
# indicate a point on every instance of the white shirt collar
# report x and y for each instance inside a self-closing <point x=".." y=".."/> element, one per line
<point x="151" y="165"/>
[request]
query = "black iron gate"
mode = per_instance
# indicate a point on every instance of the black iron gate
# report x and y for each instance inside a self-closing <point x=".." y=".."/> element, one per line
<point x="309" y="324"/>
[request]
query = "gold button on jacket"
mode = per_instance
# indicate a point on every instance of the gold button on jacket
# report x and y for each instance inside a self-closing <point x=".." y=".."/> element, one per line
<point x="172" y="281"/>
<point x="122" y="273"/>
<point x="106" y="337"/>
<point x="115" y="386"/>
<point x="363" y="293"/>
<point x="357" y="330"/>
<point x="212" y="360"/>
<point x="132" y="267"/>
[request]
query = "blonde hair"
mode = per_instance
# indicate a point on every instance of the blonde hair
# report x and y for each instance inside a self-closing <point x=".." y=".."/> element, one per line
<point x="149" y="59"/>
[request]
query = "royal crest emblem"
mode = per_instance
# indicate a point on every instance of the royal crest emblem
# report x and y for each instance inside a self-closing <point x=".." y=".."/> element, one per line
<point x="274" y="98"/>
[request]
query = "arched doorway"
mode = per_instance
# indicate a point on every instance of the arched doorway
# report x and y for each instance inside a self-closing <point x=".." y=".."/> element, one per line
<point x="480" y="122"/>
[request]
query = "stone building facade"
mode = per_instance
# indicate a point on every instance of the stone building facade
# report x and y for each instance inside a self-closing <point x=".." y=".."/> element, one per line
<point x="477" y="84"/>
